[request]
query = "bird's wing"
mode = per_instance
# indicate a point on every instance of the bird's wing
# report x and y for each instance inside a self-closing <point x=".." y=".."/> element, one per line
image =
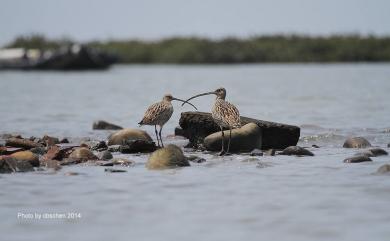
<point x="152" y="113"/>
<point x="232" y="115"/>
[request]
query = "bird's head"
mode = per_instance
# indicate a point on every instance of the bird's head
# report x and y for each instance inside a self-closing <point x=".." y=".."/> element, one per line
<point x="220" y="93"/>
<point x="169" y="98"/>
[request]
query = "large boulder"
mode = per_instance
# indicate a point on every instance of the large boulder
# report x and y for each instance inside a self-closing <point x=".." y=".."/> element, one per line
<point x="118" y="138"/>
<point x="197" y="125"/>
<point x="170" y="156"/>
<point x="356" y="142"/>
<point x="104" y="125"/>
<point x="26" y="156"/>
<point x="244" y="139"/>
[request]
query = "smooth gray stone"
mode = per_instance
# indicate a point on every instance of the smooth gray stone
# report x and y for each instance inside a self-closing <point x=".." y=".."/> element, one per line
<point x="244" y="139"/>
<point x="356" y="142"/>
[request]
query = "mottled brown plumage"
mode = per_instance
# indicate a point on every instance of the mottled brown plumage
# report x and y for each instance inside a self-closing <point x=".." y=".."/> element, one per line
<point x="224" y="114"/>
<point x="159" y="113"/>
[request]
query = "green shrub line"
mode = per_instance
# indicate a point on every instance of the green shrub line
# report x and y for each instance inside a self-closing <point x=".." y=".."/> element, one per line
<point x="257" y="49"/>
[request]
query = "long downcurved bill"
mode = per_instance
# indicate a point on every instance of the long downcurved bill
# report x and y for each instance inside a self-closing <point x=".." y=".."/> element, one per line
<point x="196" y="96"/>
<point x="185" y="101"/>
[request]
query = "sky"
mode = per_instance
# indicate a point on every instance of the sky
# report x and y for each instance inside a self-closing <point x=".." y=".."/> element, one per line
<point x="85" y="20"/>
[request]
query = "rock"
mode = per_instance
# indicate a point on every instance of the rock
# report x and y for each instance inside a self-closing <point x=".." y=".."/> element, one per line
<point x="71" y="161"/>
<point x="65" y="140"/>
<point x="244" y="139"/>
<point x="137" y="146"/>
<point x="123" y="162"/>
<point x="128" y="134"/>
<point x="104" y="125"/>
<point x="50" y="141"/>
<point x="357" y="159"/>
<point x="10" y="150"/>
<point x="23" y="143"/>
<point x="270" y="152"/>
<point x="170" y="156"/>
<point x="365" y="153"/>
<point x="297" y="151"/>
<point x="114" y="148"/>
<point x="9" y="164"/>
<point x="105" y="155"/>
<point x="102" y="163"/>
<point x="198" y="125"/>
<point x="180" y="132"/>
<point x="114" y="170"/>
<point x="27" y="156"/>
<point x="256" y="152"/>
<point x="384" y="169"/>
<point x="356" y="142"/>
<point x="72" y="174"/>
<point x="38" y="150"/>
<point x="378" y="152"/>
<point x="195" y="159"/>
<point x="58" y="153"/>
<point x="315" y="146"/>
<point x="388" y="145"/>
<point x="83" y="154"/>
<point x="95" y="145"/>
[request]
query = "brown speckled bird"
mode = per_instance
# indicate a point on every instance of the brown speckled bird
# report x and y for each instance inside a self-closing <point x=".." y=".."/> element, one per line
<point x="159" y="113"/>
<point x="224" y="114"/>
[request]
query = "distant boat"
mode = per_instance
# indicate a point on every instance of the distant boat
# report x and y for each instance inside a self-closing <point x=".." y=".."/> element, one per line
<point x="74" y="57"/>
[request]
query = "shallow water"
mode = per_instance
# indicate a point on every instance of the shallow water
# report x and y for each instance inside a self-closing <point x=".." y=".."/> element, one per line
<point x="229" y="198"/>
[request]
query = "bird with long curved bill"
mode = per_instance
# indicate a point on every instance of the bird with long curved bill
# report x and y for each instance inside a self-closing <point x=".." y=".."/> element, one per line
<point x="224" y="114"/>
<point x="159" y="113"/>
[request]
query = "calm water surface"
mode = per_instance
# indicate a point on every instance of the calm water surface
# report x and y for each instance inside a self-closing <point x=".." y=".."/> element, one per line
<point x="229" y="198"/>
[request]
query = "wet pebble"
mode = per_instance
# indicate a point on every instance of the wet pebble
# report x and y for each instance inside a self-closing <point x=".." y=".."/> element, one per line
<point x="137" y="146"/>
<point x="128" y="134"/>
<point x="195" y="159"/>
<point x="378" y="152"/>
<point x="357" y="159"/>
<point x="114" y="170"/>
<point x="356" y="142"/>
<point x="105" y="155"/>
<point x="104" y="125"/>
<point x="10" y="164"/>
<point x="82" y="153"/>
<point x="296" y="151"/>
<point x="123" y="162"/>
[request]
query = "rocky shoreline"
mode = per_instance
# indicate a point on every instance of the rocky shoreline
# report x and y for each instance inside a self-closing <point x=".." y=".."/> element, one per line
<point x="254" y="138"/>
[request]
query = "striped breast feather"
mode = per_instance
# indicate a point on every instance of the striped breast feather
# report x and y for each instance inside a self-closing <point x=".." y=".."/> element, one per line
<point x="153" y="113"/>
<point x="230" y="114"/>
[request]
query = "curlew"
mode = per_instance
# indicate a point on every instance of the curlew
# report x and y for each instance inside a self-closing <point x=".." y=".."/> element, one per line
<point x="159" y="113"/>
<point x="224" y="114"/>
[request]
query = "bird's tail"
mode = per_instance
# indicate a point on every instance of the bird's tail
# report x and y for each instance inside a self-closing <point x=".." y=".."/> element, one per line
<point x="141" y="123"/>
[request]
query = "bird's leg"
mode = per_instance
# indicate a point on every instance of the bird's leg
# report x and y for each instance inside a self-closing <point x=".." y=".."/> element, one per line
<point x="230" y="138"/>
<point x="162" y="144"/>
<point x="223" y="143"/>
<point x="155" y="130"/>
